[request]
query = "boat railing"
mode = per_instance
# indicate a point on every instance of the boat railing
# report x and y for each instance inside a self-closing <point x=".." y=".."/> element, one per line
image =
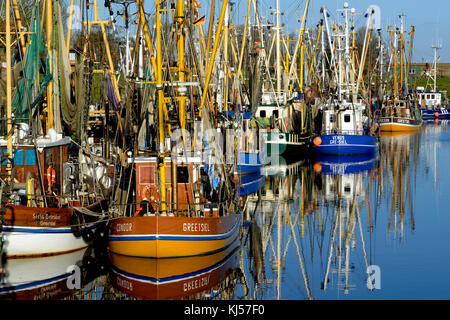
<point x="52" y="201"/>
<point x="178" y="209"/>
<point x="348" y="132"/>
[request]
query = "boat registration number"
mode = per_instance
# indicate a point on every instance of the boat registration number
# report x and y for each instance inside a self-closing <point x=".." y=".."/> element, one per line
<point x="338" y="140"/>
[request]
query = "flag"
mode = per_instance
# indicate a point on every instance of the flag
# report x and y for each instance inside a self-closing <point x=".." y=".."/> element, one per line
<point x="257" y="46"/>
<point x="439" y="58"/>
<point x="200" y="21"/>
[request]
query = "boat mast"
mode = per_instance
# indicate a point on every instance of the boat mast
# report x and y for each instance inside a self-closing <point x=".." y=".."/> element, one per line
<point x="435" y="48"/>
<point x="159" y="88"/>
<point x="181" y="64"/>
<point x="49" y="25"/>
<point x="401" y="53"/>
<point x="278" y="59"/>
<point x="8" y="91"/>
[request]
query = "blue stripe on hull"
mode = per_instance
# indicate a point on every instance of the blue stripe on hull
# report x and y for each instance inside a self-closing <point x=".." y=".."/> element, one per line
<point x="249" y="163"/>
<point x="430" y="114"/>
<point x="347" y="144"/>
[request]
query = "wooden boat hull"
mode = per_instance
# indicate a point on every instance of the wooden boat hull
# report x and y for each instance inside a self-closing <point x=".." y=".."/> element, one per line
<point x="158" y="279"/>
<point x="37" y="232"/>
<point x="344" y="144"/>
<point x="399" y="124"/>
<point x="170" y="237"/>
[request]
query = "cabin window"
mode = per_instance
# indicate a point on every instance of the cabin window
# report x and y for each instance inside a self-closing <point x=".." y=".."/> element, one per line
<point x="432" y="96"/>
<point x="262" y="113"/>
<point x="182" y="174"/>
<point x="275" y="113"/>
<point x="347" y="118"/>
<point x="18" y="157"/>
<point x="30" y="157"/>
<point x="428" y="96"/>
<point x="347" y="189"/>
<point x="146" y="175"/>
<point x="331" y="117"/>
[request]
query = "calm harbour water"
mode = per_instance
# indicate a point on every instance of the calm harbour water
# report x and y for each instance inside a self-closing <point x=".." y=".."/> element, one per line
<point x="312" y="232"/>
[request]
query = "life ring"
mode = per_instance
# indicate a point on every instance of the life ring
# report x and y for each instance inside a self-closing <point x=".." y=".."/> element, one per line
<point x="51" y="176"/>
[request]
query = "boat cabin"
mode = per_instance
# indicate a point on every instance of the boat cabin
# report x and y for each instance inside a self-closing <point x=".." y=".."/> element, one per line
<point x="183" y="197"/>
<point x="50" y="157"/>
<point x="429" y="100"/>
<point x="400" y="109"/>
<point x="342" y="121"/>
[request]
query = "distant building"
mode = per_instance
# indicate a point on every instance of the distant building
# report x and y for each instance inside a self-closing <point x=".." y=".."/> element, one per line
<point x="419" y="69"/>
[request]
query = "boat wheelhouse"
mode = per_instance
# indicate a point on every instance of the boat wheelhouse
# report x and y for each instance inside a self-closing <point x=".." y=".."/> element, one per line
<point x="431" y="105"/>
<point x="344" y="131"/>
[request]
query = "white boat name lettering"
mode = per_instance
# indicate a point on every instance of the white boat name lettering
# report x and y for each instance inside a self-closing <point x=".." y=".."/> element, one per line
<point x="338" y="140"/>
<point x="123" y="227"/>
<point x="196" y="227"/>
<point x="125" y="284"/>
<point x="46" y="216"/>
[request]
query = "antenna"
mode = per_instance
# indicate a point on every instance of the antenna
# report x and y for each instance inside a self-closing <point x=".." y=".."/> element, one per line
<point x="436" y="47"/>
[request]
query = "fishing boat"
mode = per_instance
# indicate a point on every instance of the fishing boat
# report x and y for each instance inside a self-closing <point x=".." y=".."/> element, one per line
<point x="345" y="117"/>
<point x="400" y="112"/>
<point x="183" y="204"/>
<point x="177" y="278"/>
<point x="47" y="209"/>
<point x="431" y="101"/>
<point x="400" y="116"/>
<point x="189" y="225"/>
<point x="282" y="115"/>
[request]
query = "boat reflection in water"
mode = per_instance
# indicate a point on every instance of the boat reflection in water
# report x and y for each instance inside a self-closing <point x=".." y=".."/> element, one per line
<point x="198" y="277"/>
<point x="305" y="223"/>
<point x="48" y="278"/>
<point x="401" y="154"/>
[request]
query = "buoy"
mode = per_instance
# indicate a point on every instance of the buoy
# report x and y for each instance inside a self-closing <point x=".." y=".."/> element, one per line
<point x="75" y="224"/>
<point x="317" y="141"/>
<point x="87" y="235"/>
<point x="317" y="167"/>
<point x="436" y="114"/>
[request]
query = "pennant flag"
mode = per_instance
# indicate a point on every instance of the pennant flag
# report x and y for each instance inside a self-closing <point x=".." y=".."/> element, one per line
<point x="439" y="58"/>
<point x="200" y="21"/>
<point x="258" y="46"/>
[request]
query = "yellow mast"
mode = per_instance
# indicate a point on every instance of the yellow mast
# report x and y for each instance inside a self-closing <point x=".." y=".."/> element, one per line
<point x="302" y="58"/>
<point x="49" y="22"/>
<point x="105" y="40"/>
<point x="69" y="25"/>
<point x="401" y="60"/>
<point x="213" y="54"/>
<point x="181" y="66"/>
<point x="8" y="91"/>
<point x="409" y="55"/>
<point x="19" y="26"/>
<point x="161" y="103"/>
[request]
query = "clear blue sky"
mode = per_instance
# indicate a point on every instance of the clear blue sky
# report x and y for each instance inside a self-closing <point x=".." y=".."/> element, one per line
<point x="428" y="17"/>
